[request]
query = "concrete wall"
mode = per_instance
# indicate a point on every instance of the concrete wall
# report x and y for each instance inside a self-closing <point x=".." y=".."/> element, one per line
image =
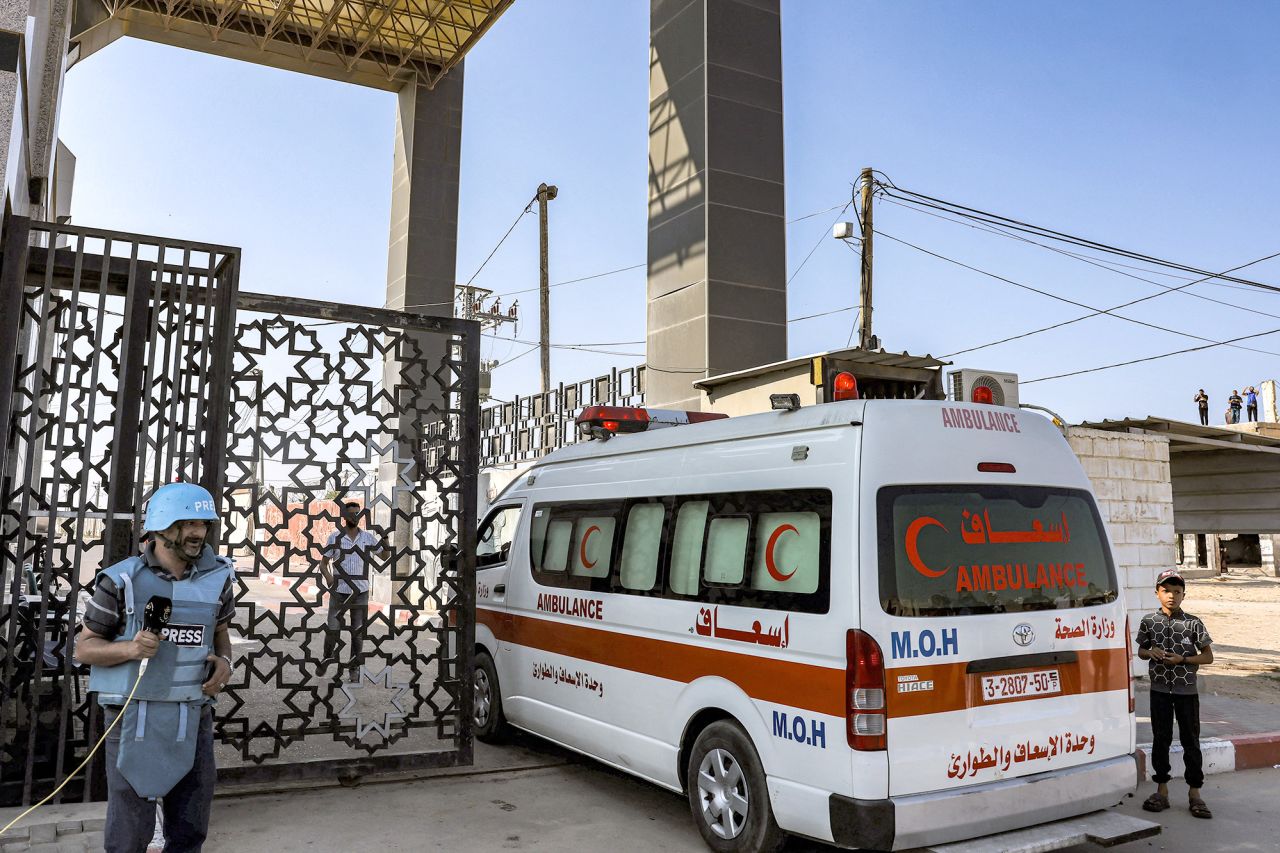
<point x="1130" y="476"/>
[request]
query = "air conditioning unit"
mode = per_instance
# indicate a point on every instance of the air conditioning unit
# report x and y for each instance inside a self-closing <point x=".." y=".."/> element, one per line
<point x="985" y="386"/>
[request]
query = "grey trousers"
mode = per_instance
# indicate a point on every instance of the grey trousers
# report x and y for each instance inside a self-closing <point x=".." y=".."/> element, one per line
<point x="353" y="609"/>
<point x="131" y="820"/>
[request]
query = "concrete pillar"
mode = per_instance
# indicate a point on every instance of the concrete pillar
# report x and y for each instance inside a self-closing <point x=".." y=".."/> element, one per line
<point x="421" y="272"/>
<point x="13" y="23"/>
<point x="45" y="75"/>
<point x="1213" y="546"/>
<point x="717" y="241"/>
<point x="422" y="249"/>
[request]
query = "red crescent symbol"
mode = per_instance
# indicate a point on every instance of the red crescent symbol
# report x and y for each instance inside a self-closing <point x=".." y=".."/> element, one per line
<point x="768" y="554"/>
<point x="913" y="551"/>
<point x="582" y="552"/>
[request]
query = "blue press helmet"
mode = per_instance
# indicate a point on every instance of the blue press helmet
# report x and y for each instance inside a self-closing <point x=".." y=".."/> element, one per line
<point x="179" y="502"/>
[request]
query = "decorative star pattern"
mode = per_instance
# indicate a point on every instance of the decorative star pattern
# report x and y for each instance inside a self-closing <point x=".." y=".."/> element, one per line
<point x="353" y="690"/>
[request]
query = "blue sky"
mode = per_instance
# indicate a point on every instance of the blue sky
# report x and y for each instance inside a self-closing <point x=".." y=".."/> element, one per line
<point x="1143" y="125"/>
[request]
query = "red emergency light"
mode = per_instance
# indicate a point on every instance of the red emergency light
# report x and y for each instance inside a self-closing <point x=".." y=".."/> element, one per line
<point x="617" y="420"/>
<point x="844" y="386"/>
<point x="982" y="394"/>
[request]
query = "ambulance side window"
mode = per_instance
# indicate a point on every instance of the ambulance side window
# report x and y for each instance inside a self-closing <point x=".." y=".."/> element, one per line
<point x="766" y="549"/>
<point x="642" y="547"/>
<point x="573" y="545"/>
<point x="686" y="549"/>
<point x="593" y="555"/>
<point x="726" y="550"/>
<point x="493" y="545"/>
<point x="559" y="537"/>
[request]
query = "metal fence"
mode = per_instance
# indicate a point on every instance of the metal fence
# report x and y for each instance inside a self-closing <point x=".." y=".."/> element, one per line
<point x="529" y="428"/>
<point x="129" y="361"/>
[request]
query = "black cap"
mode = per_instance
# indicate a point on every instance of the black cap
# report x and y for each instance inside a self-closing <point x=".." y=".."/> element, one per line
<point x="1170" y="576"/>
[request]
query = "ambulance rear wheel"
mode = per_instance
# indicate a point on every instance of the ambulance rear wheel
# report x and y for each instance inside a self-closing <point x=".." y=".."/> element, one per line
<point x="489" y="723"/>
<point x="728" y="794"/>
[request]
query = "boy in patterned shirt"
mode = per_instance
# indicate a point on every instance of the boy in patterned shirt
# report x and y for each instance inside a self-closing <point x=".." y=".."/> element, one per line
<point x="1175" y="643"/>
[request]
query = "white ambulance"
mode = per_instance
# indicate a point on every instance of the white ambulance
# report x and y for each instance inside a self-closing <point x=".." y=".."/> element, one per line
<point x="884" y="624"/>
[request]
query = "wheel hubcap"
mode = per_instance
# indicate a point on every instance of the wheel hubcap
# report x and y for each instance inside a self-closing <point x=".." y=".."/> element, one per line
<point x="722" y="789"/>
<point x="483" y="697"/>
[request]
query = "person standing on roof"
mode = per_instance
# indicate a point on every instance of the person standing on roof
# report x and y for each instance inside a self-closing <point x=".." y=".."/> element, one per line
<point x="163" y="744"/>
<point x="1251" y="402"/>
<point x="1202" y="401"/>
<point x="1235" y="403"/>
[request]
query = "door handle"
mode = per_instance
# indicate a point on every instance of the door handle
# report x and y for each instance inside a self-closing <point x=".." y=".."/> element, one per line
<point x="500" y="589"/>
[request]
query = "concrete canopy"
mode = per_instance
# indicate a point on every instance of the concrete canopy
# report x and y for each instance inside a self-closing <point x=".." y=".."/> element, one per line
<point x="383" y="44"/>
<point x="1224" y="478"/>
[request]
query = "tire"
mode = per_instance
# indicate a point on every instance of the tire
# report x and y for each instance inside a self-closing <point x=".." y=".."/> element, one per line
<point x="489" y="724"/>
<point x="728" y="795"/>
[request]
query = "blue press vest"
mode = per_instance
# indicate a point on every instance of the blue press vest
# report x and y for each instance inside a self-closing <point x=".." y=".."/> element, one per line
<point x="160" y="726"/>
<point x="177" y="671"/>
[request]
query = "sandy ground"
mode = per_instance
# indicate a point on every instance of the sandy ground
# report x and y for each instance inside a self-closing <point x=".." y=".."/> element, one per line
<point x="1242" y="613"/>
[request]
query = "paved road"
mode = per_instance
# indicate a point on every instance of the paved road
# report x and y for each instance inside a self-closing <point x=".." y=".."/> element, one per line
<point x="577" y="805"/>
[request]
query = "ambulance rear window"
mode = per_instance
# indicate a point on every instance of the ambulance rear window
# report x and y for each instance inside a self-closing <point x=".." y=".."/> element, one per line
<point x="962" y="550"/>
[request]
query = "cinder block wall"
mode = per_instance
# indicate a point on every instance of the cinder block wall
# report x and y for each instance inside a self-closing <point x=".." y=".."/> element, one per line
<point x="1131" y="479"/>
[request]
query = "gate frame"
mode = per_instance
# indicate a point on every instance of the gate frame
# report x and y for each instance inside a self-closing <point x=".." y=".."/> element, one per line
<point x="143" y="294"/>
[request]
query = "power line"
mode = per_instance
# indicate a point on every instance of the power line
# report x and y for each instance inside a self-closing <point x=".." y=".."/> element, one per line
<point x="1151" y="357"/>
<point x="489" y="257"/>
<point x="533" y="348"/>
<point x="1053" y="296"/>
<point x="824" y="313"/>
<point x="574" y="280"/>
<point x="582" y="278"/>
<point x="1108" y="311"/>
<point x="1041" y="231"/>
<point x="1108" y="266"/>
<point x="815" y="213"/>
<point x="792" y="277"/>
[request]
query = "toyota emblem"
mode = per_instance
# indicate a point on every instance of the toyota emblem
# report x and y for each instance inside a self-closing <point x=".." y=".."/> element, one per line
<point x="1023" y="634"/>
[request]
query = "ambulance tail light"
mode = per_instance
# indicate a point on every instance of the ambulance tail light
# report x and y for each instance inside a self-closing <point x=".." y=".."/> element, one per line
<point x="865" y="692"/>
<point x="617" y="420"/>
<point x="844" y="386"/>
<point x="1128" y="672"/>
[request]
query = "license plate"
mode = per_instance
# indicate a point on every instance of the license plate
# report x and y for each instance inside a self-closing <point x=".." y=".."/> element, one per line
<point x="1042" y="682"/>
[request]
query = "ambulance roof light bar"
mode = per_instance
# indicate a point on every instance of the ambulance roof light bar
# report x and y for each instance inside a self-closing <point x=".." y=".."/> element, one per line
<point x="607" y="421"/>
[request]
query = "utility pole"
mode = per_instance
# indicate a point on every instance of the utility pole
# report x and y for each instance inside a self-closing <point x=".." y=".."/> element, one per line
<point x="545" y="194"/>
<point x="866" y="340"/>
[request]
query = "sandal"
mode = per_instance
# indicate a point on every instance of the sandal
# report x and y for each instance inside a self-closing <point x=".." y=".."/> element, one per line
<point x="1200" y="810"/>
<point x="1156" y="803"/>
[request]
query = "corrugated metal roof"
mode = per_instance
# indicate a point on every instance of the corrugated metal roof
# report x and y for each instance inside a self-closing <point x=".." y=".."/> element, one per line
<point x="860" y="356"/>
<point x="1244" y="435"/>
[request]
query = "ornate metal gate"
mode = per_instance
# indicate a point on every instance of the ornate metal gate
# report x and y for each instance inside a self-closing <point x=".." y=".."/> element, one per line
<point x="127" y="362"/>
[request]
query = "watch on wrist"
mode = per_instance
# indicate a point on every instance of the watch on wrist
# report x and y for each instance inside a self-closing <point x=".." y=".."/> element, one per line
<point x="230" y="663"/>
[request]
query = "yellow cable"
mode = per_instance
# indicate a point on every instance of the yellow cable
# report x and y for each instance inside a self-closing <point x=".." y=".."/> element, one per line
<point x="73" y="773"/>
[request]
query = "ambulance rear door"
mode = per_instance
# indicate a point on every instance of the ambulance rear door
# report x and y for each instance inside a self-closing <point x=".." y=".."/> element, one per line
<point x="989" y="584"/>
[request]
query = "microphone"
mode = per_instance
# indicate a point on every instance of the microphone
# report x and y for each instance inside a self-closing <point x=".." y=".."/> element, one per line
<point x="155" y="618"/>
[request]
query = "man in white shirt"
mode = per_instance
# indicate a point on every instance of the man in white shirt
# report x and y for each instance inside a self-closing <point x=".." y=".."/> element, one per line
<point x="348" y="551"/>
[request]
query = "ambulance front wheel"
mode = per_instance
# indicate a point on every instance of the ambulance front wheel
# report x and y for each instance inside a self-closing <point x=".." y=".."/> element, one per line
<point x="728" y="794"/>
<point x="489" y="723"/>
